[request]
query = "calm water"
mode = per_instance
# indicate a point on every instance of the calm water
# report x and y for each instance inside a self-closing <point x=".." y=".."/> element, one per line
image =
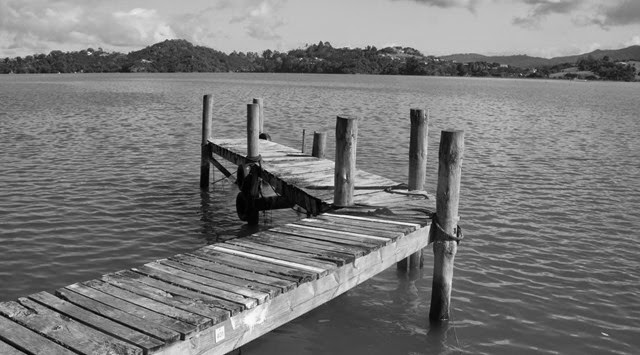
<point x="100" y="172"/>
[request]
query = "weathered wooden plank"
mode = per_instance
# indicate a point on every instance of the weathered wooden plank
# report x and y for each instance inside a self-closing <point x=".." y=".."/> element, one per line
<point x="156" y="273"/>
<point x="140" y="324"/>
<point x="341" y="257"/>
<point x="141" y="312"/>
<point x="367" y="225"/>
<point x="28" y="340"/>
<point x="282" y="254"/>
<point x="283" y="284"/>
<point x="376" y="220"/>
<point x="313" y="241"/>
<point x="241" y="293"/>
<point x="253" y="323"/>
<point x="71" y="333"/>
<point x="362" y="240"/>
<point x="256" y="266"/>
<point x="272" y="291"/>
<point x="98" y="322"/>
<point x="217" y="315"/>
<point x="307" y="254"/>
<point x="6" y="349"/>
<point x="316" y="270"/>
<point x="335" y="226"/>
<point x="197" y="320"/>
<point x="310" y="228"/>
<point x="188" y="295"/>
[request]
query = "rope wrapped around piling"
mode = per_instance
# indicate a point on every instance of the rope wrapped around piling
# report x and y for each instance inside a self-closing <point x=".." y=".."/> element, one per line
<point x="438" y="234"/>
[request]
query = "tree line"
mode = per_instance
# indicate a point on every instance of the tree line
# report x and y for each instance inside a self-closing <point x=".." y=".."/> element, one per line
<point x="182" y="56"/>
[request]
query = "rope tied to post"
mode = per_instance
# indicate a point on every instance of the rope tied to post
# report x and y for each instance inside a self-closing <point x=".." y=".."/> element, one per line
<point x="403" y="189"/>
<point x="438" y="234"/>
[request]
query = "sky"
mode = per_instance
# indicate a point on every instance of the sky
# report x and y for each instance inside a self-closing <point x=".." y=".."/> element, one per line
<point x="544" y="28"/>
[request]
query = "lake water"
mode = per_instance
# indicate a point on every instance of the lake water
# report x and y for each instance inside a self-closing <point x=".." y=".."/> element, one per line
<point x="100" y="172"/>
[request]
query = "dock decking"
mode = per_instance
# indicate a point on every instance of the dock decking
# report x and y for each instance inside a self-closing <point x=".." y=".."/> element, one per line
<point x="219" y="297"/>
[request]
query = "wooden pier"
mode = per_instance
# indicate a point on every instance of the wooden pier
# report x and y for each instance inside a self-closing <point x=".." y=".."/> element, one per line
<point x="221" y="296"/>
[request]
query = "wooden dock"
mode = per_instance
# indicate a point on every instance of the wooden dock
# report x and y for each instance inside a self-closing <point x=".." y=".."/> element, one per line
<point x="221" y="296"/>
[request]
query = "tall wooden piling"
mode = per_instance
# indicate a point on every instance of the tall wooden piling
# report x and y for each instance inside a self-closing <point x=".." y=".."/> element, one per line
<point x="447" y="199"/>
<point x="345" y="163"/>
<point x="319" y="144"/>
<point x="417" y="169"/>
<point x="253" y="131"/>
<point x="260" y="103"/>
<point x="205" y="151"/>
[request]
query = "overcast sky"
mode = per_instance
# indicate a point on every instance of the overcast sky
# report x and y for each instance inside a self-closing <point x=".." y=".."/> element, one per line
<point x="535" y="27"/>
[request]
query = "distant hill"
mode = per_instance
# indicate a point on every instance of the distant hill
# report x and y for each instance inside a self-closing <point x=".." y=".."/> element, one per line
<point x="179" y="55"/>
<point x="525" y="61"/>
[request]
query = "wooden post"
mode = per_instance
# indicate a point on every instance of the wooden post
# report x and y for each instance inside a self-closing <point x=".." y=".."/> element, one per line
<point x="253" y="128"/>
<point x="304" y="136"/>
<point x="345" y="168"/>
<point x="447" y="198"/>
<point x="260" y="103"/>
<point x="319" y="144"/>
<point x="417" y="170"/>
<point x="205" y="150"/>
<point x="418" y="149"/>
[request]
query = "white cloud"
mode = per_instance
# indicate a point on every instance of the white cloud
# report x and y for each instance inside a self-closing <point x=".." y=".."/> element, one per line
<point x="34" y="25"/>
<point x="633" y="41"/>
<point x="260" y="17"/>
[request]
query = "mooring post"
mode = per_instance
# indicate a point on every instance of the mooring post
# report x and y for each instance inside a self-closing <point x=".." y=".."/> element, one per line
<point x="345" y="163"/>
<point x="205" y="165"/>
<point x="446" y="222"/>
<point x="417" y="170"/>
<point x="304" y="138"/>
<point x="260" y="103"/>
<point x="253" y="131"/>
<point x="319" y="144"/>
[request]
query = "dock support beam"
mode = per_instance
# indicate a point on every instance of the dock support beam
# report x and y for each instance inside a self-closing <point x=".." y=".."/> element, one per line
<point x="444" y="244"/>
<point x="345" y="168"/>
<point x="319" y="144"/>
<point x="205" y="165"/>
<point x="417" y="170"/>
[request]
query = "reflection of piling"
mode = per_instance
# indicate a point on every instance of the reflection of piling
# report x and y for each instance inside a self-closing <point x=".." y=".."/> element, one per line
<point x="417" y="169"/>
<point x="319" y="144"/>
<point x="446" y="230"/>
<point x="205" y="165"/>
<point x="345" y="163"/>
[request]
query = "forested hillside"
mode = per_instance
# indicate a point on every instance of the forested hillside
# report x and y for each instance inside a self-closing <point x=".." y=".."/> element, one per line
<point x="182" y="56"/>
